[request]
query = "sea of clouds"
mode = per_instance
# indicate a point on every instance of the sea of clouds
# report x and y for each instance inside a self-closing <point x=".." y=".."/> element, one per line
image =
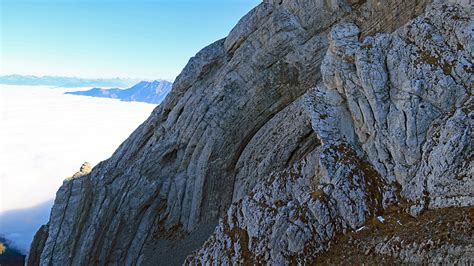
<point x="45" y="136"/>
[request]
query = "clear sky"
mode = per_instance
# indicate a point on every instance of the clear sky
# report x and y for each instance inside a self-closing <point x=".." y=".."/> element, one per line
<point x="147" y="39"/>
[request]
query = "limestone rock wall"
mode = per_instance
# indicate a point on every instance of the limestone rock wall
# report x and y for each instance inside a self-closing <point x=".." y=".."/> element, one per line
<point x="245" y="133"/>
<point x="394" y="117"/>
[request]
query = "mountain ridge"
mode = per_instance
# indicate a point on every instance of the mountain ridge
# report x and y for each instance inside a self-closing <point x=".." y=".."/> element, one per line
<point x="144" y="91"/>
<point x="311" y="120"/>
<point x="71" y="82"/>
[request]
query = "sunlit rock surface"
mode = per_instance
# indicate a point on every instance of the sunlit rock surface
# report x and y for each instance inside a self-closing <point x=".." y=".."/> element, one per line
<point x="310" y="119"/>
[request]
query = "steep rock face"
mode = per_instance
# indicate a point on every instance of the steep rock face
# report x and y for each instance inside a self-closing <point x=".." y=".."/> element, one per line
<point x="243" y="125"/>
<point x="409" y="96"/>
<point x="292" y="215"/>
<point x="401" y="101"/>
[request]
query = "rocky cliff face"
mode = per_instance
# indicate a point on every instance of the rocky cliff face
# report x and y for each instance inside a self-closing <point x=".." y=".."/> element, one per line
<point x="310" y="118"/>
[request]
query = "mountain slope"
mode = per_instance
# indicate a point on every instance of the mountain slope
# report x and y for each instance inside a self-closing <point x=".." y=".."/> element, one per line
<point x="394" y="126"/>
<point x="298" y="127"/>
<point x="144" y="91"/>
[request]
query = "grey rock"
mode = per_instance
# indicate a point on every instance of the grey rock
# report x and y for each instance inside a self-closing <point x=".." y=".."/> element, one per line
<point x="410" y="108"/>
<point x="381" y="99"/>
<point x="38" y="243"/>
<point x="299" y="126"/>
<point x="285" y="216"/>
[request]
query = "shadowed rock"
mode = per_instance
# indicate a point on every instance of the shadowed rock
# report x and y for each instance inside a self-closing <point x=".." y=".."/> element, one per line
<point x="307" y="120"/>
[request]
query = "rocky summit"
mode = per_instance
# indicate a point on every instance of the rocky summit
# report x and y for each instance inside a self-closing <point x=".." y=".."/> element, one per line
<point x="315" y="132"/>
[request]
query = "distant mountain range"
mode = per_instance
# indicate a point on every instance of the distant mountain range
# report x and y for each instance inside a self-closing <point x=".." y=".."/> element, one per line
<point x="144" y="91"/>
<point x="68" y="82"/>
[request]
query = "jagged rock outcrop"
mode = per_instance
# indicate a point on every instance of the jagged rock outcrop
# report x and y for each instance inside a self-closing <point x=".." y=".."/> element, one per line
<point x="307" y="120"/>
<point x="84" y="170"/>
<point x="39" y="240"/>
<point x="287" y="218"/>
<point x="403" y="102"/>
<point x="409" y="95"/>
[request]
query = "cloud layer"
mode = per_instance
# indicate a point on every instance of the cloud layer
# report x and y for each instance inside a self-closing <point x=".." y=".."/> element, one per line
<point x="46" y="135"/>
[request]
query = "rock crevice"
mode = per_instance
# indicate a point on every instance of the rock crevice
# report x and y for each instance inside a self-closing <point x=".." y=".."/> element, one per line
<point x="308" y="120"/>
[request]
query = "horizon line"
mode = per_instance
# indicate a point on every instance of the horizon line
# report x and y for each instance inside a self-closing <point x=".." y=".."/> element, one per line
<point x="90" y="78"/>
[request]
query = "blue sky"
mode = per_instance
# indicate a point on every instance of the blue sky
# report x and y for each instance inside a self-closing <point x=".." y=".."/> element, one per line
<point x="146" y="39"/>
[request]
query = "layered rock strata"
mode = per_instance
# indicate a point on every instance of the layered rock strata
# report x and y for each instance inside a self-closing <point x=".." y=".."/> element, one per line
<point x="301" y="125"/>
<point x="394" y="115"/>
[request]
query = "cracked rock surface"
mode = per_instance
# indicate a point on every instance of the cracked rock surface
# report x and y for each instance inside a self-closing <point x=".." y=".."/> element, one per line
<point x="385" y="100"/>
<point x="310" y="119"/>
